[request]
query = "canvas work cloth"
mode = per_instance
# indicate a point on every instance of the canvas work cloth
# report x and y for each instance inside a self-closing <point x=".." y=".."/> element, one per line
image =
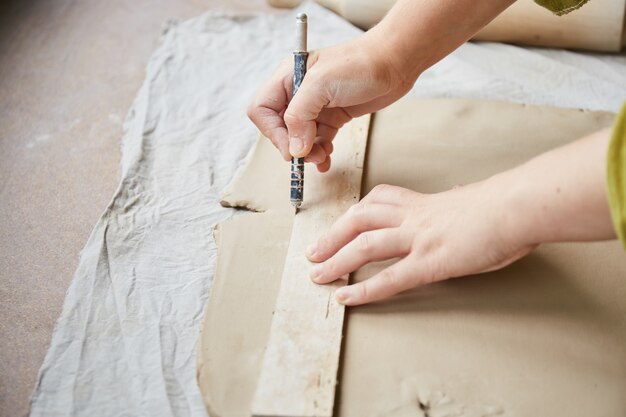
<point x="125" y="342"/>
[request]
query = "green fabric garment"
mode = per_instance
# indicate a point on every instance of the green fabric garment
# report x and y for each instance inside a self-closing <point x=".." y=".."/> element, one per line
<point x="616" y="175"/>
<point x="561" y="7"/>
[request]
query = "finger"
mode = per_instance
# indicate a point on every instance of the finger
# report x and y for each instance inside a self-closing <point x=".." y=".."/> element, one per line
<point x="267" y="123"/>
<point x="389" y="194"/>
<point x="372" y="246"/>
<point x="267" y="107"/>
<point x="325" y="132"/>
<point x="358" y="219"/>
<point x="320" y="153"/>
<point x="328" y="146"/>
<point x="334" y="117"/>
<point x="324" y="166"/>
<point x="390" y="281"/>
<point x="317" y="154"/>
<point x="301" y="114"/>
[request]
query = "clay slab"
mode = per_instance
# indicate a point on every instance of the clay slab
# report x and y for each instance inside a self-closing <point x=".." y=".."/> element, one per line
<point x="545" y="336"/>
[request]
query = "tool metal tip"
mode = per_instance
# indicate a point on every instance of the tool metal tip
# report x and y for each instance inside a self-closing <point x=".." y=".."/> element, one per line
<point x="301" y="17"/>
<point x="296" y="205"/>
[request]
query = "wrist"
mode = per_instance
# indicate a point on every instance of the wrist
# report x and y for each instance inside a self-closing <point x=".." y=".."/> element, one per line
<point x="559" y="196"/>
<point x="418" y="33"/>
<point x="398" y="49"/>
<point x="519" y="222"/>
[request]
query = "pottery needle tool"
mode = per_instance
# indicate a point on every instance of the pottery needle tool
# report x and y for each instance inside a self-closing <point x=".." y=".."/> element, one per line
<point x="300" y="56"/>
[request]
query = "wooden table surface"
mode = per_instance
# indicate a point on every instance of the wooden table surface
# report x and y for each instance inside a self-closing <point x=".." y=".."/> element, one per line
<point x="69" y="71"/>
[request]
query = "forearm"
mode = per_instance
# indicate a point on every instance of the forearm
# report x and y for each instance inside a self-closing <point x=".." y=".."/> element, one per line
<point x="560" y="195"/>
<point x="418" y="33"/>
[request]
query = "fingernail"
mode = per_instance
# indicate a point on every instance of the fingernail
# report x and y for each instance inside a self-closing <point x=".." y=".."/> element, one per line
<point x="316" y="273"/>
<point x="310" y="251"/>
<point x="343" y="295"/>
<point x="295" y="145"/>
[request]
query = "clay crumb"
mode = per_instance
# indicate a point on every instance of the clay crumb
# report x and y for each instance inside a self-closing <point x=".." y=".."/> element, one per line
<point x="242" y="205"/>
<point x="425" y="407"/>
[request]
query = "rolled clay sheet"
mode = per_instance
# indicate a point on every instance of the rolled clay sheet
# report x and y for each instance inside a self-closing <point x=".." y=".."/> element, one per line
<point x="545" y="336"/>
<point x="597" y="26"/>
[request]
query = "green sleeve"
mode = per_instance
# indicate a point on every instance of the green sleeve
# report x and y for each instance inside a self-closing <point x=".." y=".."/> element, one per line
<point x="561" y="7"/>
<point x="616" y="176"/>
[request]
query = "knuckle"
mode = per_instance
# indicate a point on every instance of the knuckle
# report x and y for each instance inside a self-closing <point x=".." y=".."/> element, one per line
<point x="324" y="243"/>
<point x="329" y="268"/>
<point x="358" y="216"/>
<point x="364" y="244"/>
<point x="384" y="191"/>
<point x="364" y="292"/>
<point x="291" y="118"/>
<point x="353" y="208"/>
<point x="391" y="279"/>
<point x="353" y="211"/>
<point x="380" y="188"/>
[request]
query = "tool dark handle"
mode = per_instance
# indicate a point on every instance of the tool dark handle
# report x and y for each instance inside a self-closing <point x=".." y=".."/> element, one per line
<point x="296" y="191"/>
<point x="299" y="69"/>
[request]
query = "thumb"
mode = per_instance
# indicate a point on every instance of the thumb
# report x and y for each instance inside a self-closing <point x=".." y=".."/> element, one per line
<point x="301" y="114"/>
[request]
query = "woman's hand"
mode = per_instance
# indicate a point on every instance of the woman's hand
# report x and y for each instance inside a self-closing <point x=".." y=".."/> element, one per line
<point x="342" y="82"/>
<point x="364" y="75"/>
<point x="558" y="196"/>
<point x="459" y="232"/>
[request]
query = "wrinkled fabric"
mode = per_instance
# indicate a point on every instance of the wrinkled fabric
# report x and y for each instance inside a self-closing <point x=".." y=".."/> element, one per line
<point x="124" y="344"/>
